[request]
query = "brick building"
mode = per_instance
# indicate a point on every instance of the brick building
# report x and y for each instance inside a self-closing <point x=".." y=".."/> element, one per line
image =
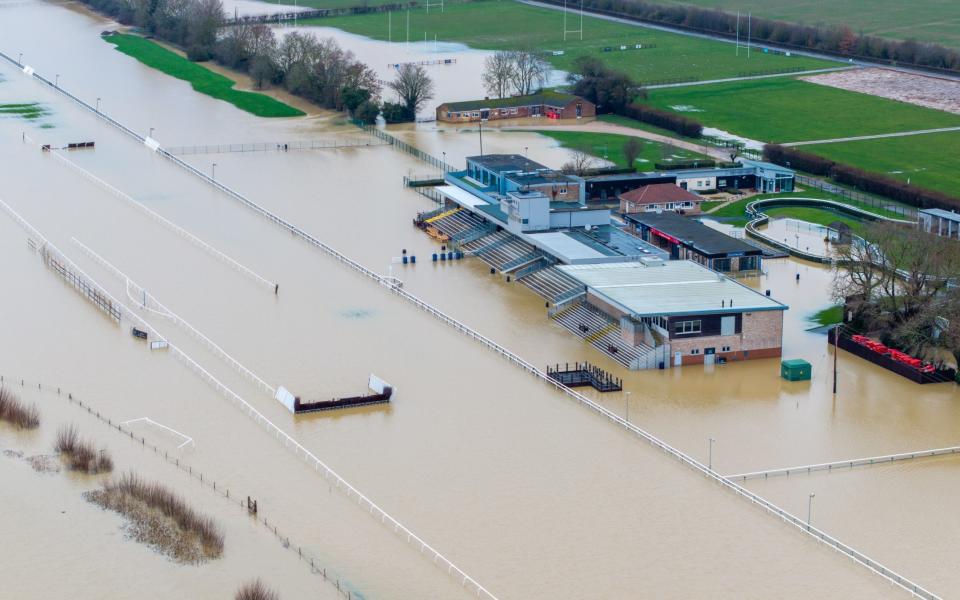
<point x="549" y="104"/>
<point x="657" y="197"/>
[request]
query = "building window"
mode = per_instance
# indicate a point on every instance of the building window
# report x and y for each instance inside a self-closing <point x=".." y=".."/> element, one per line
<point x="513" y="110"/>
<point x="695" y="351"/>
<point x="562" y="191"/>
<point x="476" y="114"/>
<point x="686" y="327"/>
<point x="724" y="348"/>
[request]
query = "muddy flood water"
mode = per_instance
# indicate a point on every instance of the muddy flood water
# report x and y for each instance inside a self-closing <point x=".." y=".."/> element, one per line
<point x="529" y="493"/>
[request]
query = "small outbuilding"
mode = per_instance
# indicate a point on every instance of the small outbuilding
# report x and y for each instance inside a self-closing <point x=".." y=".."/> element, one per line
<point x="657" y="197"/>
<point x="796" y="369"/>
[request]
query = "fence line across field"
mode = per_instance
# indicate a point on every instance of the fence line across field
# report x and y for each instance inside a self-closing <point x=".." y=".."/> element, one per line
<point x="846" y="464"/>
<point x="333" y="144"/>
<point x="766" y="505"/>
<point x="205" y="481"/>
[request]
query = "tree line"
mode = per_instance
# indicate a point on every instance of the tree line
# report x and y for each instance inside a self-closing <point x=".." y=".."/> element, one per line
<point x="318" y="70"/>
<point x="898" y="284"/>
<point x="839" y="40"/>
<point x="867" y="181"/>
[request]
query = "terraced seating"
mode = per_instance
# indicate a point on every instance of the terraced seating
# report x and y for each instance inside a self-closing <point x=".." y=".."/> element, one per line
<point x="550" y="283"/>
<point x="455" y="222"/>
<point x="485" y="241"/>
<point x="501" y="254"/>
<point x="602" y="332"/>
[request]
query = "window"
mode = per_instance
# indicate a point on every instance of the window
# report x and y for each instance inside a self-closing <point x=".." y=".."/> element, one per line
<point x="686" y="327"/>
<point x="562" y="191"/>
<point x="724" y="348"/>
<point x="695" y="351"/>
<point x="476" y="114"/>
<point x="513" y="110"/>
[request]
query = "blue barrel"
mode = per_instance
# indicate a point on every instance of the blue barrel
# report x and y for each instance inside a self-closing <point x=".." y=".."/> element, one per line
<point x="443" y="256"/>
<point x="413" y="259"/>
<point x="449" y="255"/>
<point x="459" y="255"/>
<point x="434" y="257"/>
<point x="404" y="259"/>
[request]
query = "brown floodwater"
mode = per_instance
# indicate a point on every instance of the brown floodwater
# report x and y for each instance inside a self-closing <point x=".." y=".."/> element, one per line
<point x="528" y="493"/>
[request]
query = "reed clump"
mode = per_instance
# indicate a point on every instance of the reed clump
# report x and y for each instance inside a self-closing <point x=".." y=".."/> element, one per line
<point x="255" y="590"/>
<point x="160" y="518"/>
<point x="16" y="412"/>
<point x="81" y="455"/>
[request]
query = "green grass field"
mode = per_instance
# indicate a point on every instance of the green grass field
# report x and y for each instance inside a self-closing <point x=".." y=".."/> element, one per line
<point x="735" y="213"/>
<point x="784" y="109"/>
<point x="505" y="24"/>
<point x="202" y="79"/>
<point x="923" y="20"/>
<point x="931" y="160"/>
<point x="609" y="146"/>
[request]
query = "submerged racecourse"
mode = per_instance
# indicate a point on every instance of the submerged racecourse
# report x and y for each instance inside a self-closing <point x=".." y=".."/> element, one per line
<point x="528" y="492"/>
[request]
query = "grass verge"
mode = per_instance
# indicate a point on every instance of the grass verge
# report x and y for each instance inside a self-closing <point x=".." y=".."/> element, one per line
<point x="609" y="146"/>
<point x="202" y="79"/>
<point x="15" y="412"/>
<point x="161" y="519"/>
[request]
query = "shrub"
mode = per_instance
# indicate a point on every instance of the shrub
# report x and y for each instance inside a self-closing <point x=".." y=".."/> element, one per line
<point x="397" y="113"/>
<point x="255" y="590"/>
<point x="367" y="112"/>
<point x="662" y="118"/>
<point x="81" y="454"/>
<point x="15" y="412"/>
<point x="795" y="159"/>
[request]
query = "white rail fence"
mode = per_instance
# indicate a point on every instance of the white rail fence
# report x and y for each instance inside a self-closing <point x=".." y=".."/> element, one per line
<point x="846" y="464"/>
<point x="166" y="222"/>
<point x="150" y="302"/>
<point x="862" y="559"/>
<point x="298" y="450"/>
<point x="360" y="141"/>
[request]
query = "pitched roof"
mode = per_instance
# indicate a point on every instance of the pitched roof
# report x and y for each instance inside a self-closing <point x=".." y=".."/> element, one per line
<point x="656" y="193"/>
<point x="549" y="97"/>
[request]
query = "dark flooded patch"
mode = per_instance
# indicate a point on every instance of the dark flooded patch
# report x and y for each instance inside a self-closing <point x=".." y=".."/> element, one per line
<point x="356" y="313"/>
<point x="24" y="110"/>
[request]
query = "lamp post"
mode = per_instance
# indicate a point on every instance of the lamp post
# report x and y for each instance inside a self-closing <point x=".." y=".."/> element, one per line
<point x="213" y="171"/>
<point x="628" y="406"/>
<point x="526" y="154"/>
<point x="444" y="166"/>
<point x="56" y="81"/>
<point x="20" y="59"/>
<point x="151" y="132"/>
<point x="810" y="508"/>
<point x="98" y="104"/>
<point x="710" y="461"/>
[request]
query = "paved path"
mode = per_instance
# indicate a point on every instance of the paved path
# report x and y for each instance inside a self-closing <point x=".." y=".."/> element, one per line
<point x="873" y="137"/>
<point x="747" y="77"/>
<point x="603" y="127"/>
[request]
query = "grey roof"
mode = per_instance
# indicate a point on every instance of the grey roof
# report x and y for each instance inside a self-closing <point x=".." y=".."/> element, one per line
<point x="500" y="163"/>
<point x="693" y="233"/>
<point x="541" y="177"/>
<point x="943" y="214"/>
<point x="676" y="287"/>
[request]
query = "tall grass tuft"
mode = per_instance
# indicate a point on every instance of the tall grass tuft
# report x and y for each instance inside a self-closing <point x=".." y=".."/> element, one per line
<point x="255" y="590"/>
<point x="15" y="412"/>
<point x="162" y="499"/>
<point x="81" y="454"/>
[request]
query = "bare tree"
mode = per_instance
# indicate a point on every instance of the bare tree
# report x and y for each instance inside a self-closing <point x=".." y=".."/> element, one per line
<point x="631" y="150"/>
<point x="413" y="86"/>
<point x="498" y="73"/>
<point x="530" y="71"/>
<point x="580" y="162"/>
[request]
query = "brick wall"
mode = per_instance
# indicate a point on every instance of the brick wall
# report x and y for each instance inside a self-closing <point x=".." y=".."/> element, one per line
<point x="761" y="337"/>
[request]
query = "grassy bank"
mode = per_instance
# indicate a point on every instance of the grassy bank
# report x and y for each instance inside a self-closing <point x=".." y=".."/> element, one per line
<point x="929" y="160"/>
<point x="784" y="109"/>
<point x="507" y="25"/>
<point x="609" y="146"/>
<point x="202" y="79"/>
<point x="735" y="212"/>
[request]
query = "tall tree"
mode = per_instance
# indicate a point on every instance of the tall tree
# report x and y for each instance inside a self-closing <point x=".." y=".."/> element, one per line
<point x="498" y="73"/>
<point x="529" y="73"/>
<point x="413" y="86"/>
<point x="631" y="150"/>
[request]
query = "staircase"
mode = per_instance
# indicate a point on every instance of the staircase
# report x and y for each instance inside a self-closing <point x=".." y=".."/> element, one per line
<point x="601" y="332"/>
<point x="550" y="283"/>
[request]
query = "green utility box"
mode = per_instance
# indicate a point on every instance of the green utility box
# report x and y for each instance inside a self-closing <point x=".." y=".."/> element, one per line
<point x="796" y="370"/>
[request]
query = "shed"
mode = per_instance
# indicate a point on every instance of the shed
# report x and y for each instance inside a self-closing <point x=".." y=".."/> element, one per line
<point x="796" y="369"/>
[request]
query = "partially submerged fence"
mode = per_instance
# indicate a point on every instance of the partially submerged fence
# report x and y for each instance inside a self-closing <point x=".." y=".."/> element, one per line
<point x="408" y="148"/>
<point x="905" y="212"/>
<point x="845" y="464"/>
<point x="517" y="361"/>
<point x="296" y="145"/>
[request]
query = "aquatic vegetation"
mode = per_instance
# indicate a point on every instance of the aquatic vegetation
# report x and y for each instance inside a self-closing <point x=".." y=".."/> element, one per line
<point x="15" y="412"/>
<point x="255" y="590"/>
<point x="81" y="454"/>
<point x="161" y="519"/>
<point x="24" y="110"/>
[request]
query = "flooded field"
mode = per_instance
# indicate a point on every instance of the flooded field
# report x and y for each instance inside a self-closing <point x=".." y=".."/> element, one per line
<point x="527" y="492"/>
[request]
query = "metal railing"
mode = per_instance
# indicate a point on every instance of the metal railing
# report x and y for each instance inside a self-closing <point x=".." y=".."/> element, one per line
<point x="520" y="363"/>
<point x="333" y="144"/>
<point x="846" y="464"/>
<point x="905" y="212"/>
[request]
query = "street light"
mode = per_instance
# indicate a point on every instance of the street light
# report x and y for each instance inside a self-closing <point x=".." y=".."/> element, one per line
<point x="20" y="59"/>
<point x="710" y="462"/>
<point x="151" y="132"/>
<point x="628" y="406"/>
<point x="526" y="154"/>
<point x="56" y="82"/>
<point x="98" y="104"/>
<point x="810" y="508"/>
<point x="213" y="171"/>
<point x="444" y="167"/>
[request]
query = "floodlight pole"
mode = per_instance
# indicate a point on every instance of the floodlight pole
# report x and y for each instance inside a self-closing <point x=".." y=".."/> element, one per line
<point x="749" y="23"/>
<point x="738" y="33"/>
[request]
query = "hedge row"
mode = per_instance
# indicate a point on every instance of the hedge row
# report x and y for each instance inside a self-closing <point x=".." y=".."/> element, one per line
<point x="662" y="118"/>
<point x="866" y="181"/>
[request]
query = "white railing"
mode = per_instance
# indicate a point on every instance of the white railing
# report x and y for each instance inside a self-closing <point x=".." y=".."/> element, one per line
<point x="150" y="301"/>
<point x="186" y="438"/>
<point x="771" y="508"/>
<point x="846" y="464"/>
<point x="166" y="222"/>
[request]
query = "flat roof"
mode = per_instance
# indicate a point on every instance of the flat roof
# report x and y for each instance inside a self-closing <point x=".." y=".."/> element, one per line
<point x="548" y="97"/>
<point x="943" y="214"/>
<point x="564" y="247"/>
<point x="461" y="196"/>
<point x="500" y="163"/>
<point x="541" y="177"/>
<point x="679" y="287"/>
<point x="693" y="233"/>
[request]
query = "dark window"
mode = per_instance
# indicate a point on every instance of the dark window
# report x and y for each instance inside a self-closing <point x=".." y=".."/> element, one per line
<point x="686" y="327"/>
